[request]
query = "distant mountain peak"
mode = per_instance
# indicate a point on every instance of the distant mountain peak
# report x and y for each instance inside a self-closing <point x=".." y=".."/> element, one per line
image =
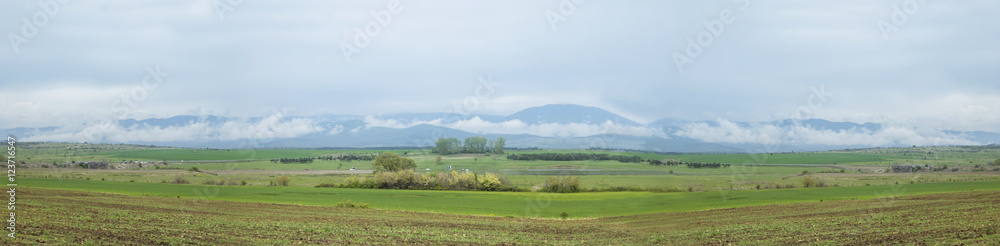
<point x="568" y="113"/>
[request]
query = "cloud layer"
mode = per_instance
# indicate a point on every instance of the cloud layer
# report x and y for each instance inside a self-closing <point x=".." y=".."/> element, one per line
<point x="479" y="126"/>
<point x="770" y="134"/>
<point x="268" y="128"/>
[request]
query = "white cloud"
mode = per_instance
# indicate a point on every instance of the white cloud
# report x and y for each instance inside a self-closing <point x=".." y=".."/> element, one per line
<point x="271" y="127"/>
<point x="479" y="126"/>
<point x="729" y="132"/>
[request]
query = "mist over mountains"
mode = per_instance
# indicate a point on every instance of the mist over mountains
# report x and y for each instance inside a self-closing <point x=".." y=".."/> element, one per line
<point x="560" y="126"/>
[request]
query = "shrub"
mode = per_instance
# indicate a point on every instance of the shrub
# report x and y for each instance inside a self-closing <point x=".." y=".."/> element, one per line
<point x="194" y="169"/>
<point x="326" y="185"/>
<point x="569" y="184"/>
<point x="407" y="179"/>
<point x="809" y="182"/>
<point x="281" y="181"/>
<point x="351" y="204"/>
<point x="177" y="180"/>
<point x="392" y="162"/>
<point x="357" y="182"/>
<point x="564" y="215"/>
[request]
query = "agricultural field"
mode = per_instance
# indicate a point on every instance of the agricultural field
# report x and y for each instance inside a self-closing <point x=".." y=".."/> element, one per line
<point x="520" y="204"/>
<point x="82" y="218"/>
<point x="773" y="199"/>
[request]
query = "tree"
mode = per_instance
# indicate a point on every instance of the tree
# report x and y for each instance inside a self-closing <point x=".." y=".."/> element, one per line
<point x="474" y="145"/>
<point x="996" y="162"/>
<point x="438" y="160"/>
<point x="392" y="162"/>
<point x="446" y="146"/>
<point x="498" y="144"/>
<point x="809" y="182"/>
<point x="282" y="181"/>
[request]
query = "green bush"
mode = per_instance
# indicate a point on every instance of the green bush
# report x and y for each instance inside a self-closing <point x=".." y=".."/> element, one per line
<point x="569" y="184"/>
<point x="281" y="181"/>
<point x="407" y="179"/>
<point x="564" y="215"/>
<point x="177" y="180"/>
<point x="809" y="182"/>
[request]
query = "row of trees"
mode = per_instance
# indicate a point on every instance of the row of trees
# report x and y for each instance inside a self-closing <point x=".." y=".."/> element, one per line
<point x="706" y="165"/>
<point x="689" y="164"/>
<point x="395" y="172"/>
<point x="350" y="157"/>
<point x="479" y="145"/>
<point x="573" y="157"/>
<point x="294" y="160"/>
<point x="407" y="179"/>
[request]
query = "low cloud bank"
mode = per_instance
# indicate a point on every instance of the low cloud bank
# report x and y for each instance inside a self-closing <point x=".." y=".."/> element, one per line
<point x="270" y="127"/>
<point x="729" y="132"/>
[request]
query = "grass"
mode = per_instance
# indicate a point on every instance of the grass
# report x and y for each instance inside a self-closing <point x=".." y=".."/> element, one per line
<point x="787" y="158"/>
<point x="80" y="218"/>
<point x="519" y="204"/>
<point x="870" y="208"/>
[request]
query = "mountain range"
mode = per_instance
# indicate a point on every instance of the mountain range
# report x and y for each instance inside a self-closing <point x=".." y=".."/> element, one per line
<point x="559" y="126"/>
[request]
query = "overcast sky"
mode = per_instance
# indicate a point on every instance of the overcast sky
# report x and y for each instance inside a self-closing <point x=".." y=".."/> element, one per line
<point x="931" y="63"/>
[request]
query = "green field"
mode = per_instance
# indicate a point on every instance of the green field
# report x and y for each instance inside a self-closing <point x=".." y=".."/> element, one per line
<point x="760" y="199"/>
<point x="520" y="204"/>
<point x="83" y="218"/>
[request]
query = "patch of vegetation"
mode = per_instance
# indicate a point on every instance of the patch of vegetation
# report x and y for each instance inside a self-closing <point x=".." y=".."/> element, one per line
<point x="569" y="184"/>
<point x="177" y="180"/>
<point x="60" y="217"/>
<point x="351" y="204"/>
<point x="281" y="181"/>
<point x="573" y="157"/>
<point x="407" y="179"/>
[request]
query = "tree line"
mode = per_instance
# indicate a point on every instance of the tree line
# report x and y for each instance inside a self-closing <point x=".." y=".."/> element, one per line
<point x="350" y="157"/>
<point x="689" y="164"/>
<point x="395" y="172"/>
<point x="478" y="145"/>
<point x="294" y="160"/>
<point x="573" y="157"/>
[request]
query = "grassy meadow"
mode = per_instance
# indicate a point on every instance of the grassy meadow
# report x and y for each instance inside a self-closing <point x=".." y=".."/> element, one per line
<point x="760" y="199"/>
<point x="85" y="218"/>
